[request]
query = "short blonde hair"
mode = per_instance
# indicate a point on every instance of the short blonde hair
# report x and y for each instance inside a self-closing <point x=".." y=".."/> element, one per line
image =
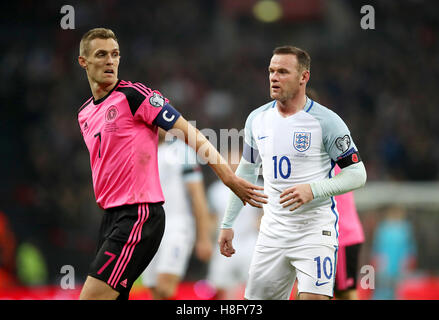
<point x="96" y="33"/>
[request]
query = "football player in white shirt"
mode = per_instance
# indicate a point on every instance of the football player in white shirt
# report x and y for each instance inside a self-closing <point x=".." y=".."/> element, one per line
<point x="187" y="219"/>
<point x="228" y="276"/>
<point x="298" y="142"/>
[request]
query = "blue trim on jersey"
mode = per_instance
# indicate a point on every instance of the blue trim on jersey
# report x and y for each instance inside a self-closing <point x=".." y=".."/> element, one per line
<point x="309" y="108"/>
<point x="333" y="202"/>
<point x="312" y="103"/>
<point x="336" y="215"/>
<point x="335" y="268"/>
<point x="250" y="154"/>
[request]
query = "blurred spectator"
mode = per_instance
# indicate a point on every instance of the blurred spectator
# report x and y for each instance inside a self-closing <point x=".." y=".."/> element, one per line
<point x="228" y="275"/>
<point x="393" y="252"/>
<point x="187" y="219"/>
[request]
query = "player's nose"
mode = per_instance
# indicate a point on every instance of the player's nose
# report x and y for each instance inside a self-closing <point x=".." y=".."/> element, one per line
<point x="274" y="77"/>
<point x="110" y="60"/>
<point x="274" y="81"/>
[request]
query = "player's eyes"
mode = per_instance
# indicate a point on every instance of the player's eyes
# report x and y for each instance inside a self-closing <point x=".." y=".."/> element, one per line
<point x="278" y="71"/>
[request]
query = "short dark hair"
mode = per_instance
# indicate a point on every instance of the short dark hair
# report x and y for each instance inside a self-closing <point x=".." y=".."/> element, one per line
<point x="96" y="33"/>
<point x="303" y="58"/>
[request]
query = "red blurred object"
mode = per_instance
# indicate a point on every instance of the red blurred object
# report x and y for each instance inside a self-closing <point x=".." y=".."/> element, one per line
<point x="423" y="288"/>
<point x="186" y="291"/>
<point x="7" y="254"/>
<point x="39" y="293"/>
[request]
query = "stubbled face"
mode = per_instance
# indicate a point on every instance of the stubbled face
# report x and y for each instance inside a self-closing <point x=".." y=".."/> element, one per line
<point x="285" y="79"/>
<point x="102" y="62"/>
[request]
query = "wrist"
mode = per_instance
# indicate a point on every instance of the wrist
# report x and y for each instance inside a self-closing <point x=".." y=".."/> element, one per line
<point x="311" y="192"/>
<point x="314" y="189"/>
<point x="228" y="177"/>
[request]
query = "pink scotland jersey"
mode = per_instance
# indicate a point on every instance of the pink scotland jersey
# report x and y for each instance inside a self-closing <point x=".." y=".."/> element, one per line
<point x="121" y="134"/>
<point x="350" y="228"/>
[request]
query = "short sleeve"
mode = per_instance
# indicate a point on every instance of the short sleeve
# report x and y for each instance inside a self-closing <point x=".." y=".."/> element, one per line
<point x="250" y="150"/>
<point x="150" y="107"/>
<point x="338" y="141"/>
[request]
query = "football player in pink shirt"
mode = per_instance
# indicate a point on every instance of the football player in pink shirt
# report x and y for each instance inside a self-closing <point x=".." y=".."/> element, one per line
<point x="119" y="124"/>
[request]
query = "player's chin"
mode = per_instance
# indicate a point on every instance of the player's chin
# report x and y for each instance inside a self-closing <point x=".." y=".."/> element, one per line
<point x="108" y="78"/>
<point x="275" y="95"/>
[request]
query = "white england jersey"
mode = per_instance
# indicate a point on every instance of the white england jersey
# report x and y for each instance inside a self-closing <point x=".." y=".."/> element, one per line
<point x="293" y="150"/>
<point x="177" y="166"/>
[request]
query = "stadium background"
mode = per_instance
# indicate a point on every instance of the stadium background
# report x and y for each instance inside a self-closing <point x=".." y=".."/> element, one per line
<point x="210" y="58"/>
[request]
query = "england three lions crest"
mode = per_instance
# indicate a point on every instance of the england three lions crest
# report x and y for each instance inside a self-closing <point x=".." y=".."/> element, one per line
<point x="302" y="141"/>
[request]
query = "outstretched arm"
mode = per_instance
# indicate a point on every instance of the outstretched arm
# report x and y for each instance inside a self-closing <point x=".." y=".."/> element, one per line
<point x="245" y="191"/>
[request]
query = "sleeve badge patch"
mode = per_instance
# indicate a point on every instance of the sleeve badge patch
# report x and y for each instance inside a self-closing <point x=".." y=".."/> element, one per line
<point x="343" y="143"/>
<point x="157" y="100"/>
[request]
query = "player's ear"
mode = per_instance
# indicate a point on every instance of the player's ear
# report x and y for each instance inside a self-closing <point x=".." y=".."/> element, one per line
<point x="305" y="76"/>
<point x="82" y="62"/>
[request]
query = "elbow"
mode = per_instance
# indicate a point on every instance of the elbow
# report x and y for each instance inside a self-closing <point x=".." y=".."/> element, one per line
<point x="363" y="182"/>
<point x="362" y="177"/>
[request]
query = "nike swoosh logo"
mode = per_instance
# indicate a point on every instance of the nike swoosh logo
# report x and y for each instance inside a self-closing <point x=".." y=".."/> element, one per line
<point x="318" y="284"/>
<point x="263" y="137"/>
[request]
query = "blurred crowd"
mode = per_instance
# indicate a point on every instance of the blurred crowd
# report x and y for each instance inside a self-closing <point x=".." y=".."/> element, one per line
<point x="211" y="62"/>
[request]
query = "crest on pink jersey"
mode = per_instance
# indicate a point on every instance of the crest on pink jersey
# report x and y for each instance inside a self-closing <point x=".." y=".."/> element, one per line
<point x="111" y="114"/>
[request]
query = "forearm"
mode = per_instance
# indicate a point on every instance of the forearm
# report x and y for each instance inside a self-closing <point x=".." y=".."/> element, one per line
<point x="247" y="171"/>
<point x="196" y="140"/>
<point x="350" y="178"/>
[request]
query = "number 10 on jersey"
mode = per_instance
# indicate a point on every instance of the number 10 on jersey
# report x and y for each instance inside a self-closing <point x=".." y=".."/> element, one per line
<point x="282" y="167"/>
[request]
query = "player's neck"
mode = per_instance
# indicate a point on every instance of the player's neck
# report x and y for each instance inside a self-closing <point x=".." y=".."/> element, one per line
<point x="291" y="106"/>
<point x="100" y="90"/>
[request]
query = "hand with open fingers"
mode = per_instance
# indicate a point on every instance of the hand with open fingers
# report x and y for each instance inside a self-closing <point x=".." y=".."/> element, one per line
<point x="296" y="196"/>
<point x="246" y="191"/>
<point x="225" y="242"/>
